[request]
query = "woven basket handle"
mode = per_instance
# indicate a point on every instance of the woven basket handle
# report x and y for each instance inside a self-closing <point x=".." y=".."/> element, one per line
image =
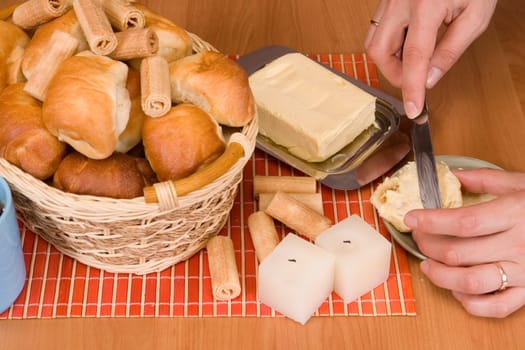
<point x="234" y="151"/>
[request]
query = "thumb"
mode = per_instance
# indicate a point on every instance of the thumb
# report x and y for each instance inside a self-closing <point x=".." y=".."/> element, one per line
<point x="491" y="181"/>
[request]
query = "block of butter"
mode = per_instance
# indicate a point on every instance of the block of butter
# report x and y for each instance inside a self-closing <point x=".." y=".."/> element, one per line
<point x="308" y="109"/>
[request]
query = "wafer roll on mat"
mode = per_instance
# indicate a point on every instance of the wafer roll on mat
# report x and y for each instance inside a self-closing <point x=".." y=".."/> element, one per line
<point x="13" y="40"/>
<point x="36" y="48"/>
<point x="291" y="184"/>
<point x="135" y="43"/>
<point x="119" y="176"/>
<point x="87" y="104"/>
<point x="180" y="142"/>
<point x="174" y="41"/>
<point x="155" y="86"/>
<point x="96" y="26"/>
<point x="60" y="47"/>
<point x="297" y="215"/>
<point x="312" y="200"/>
<point x="24" y="140"/>
<point x="123" y="15"/>
<point x="216" y="84"/>
<point x="263" y="233"/>
<point x="223" y="268"/>
<point x="32" y="13"/>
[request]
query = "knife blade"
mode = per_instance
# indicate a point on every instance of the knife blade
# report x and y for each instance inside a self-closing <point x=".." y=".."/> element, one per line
<point x="425" y="161"/>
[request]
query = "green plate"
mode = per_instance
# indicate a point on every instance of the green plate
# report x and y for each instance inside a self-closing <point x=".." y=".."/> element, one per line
<point x="405" y="239"/>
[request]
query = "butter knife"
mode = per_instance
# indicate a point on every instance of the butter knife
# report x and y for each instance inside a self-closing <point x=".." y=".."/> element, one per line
<point x="425" y="161"/>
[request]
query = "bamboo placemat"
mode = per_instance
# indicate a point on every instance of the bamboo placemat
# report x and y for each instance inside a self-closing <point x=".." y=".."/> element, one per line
<point x="58" y="286"/>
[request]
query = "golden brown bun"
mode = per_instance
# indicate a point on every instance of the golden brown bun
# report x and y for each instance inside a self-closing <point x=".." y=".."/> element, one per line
<point x="399" y="194"/>
<point x="24" y="140"/>
<point x="12" y="43"/>
<point x="68" y="23"/>
<point x="216" y="84"/>
<point x="174" y="42"/>
<point x="132" y="134"/>
<point x="119" y="176"/>
<point x="181" y="141"/>
<point x="87" y="104"/>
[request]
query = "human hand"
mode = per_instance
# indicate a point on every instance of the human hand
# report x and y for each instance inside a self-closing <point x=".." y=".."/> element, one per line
<point x="424" y="58"/>
<point x="464" y="245"/>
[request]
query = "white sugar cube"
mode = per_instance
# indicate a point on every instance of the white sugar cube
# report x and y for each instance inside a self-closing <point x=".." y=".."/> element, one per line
<point x="296" y="278"/>
<point x="363" y="257"/>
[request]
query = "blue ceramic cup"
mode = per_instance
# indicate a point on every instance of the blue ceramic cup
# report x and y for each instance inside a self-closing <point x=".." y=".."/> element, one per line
<point x="12" y="266"/>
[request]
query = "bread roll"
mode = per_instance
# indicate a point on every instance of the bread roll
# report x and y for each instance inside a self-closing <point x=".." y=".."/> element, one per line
<point x="13" y="40"/>
<point x="132" y="134"/>
<point x="68" y="23"/>
<point x="399" y="194"/>
<point x="87" y="104"/>
<point x="24" y="140"/>
<point x="119" y="176"/>
<point x="174" y="42"/>
<point x="216" y="84"/>
<point x="181" y="141"/>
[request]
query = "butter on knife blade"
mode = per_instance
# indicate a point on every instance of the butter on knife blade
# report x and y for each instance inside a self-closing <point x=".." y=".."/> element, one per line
<point x="425" y="162"/>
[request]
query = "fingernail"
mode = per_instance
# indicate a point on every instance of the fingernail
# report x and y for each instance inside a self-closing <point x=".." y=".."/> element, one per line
<point x="433" y="77"/>
<point x="410" y="221"/>
<point x="423" y="266"/>
<point x="411" y="109"/>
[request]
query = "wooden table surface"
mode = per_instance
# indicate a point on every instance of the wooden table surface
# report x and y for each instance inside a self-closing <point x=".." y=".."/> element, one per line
<point x="477" y="110"/>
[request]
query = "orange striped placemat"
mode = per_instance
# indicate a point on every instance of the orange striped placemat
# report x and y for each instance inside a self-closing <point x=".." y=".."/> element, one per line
<point x="58" y="286"/>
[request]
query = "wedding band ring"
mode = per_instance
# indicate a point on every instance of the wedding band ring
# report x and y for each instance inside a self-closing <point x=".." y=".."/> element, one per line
<point x="374" y="22"/>
<point x="503" y="276"/>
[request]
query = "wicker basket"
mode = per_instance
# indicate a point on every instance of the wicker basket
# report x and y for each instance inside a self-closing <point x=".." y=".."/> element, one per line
<point x="128" y="236"/>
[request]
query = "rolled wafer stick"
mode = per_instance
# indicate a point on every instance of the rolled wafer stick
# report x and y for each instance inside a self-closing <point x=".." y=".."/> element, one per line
<point x="61" y="46"/>
<point x="297" y="215"/>
<point x="263" y="233"/>
<point x="290" y="184"/>
<point x="312" y="200"/>
<point x="35" y="12"/>
<point x="123" y="16"/>
<point x="234" y="151"/>
<point x="223" y="269"/>
<point x="96" y="26"/>
<point x="135" y="43"/>
<point x="155" y="86"/>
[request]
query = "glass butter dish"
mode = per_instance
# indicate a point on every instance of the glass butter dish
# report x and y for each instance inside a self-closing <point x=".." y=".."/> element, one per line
<point x="372" y="153"/>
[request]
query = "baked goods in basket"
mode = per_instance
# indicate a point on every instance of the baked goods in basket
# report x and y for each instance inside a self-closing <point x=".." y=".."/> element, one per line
<point x="12" y="43"/>
<point x="399" y="194"/>
<point x="107" y="208"/>
<point x="68" y="23"/>
<point x="119" y="176"/>
<point x="179" y="142"/>
<point x="24" y="140"/>
<point x="132" y="134"/>
<point x="174" y="42"/>
<point x="216" y="84"/>
<point x="87" y="104"/>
